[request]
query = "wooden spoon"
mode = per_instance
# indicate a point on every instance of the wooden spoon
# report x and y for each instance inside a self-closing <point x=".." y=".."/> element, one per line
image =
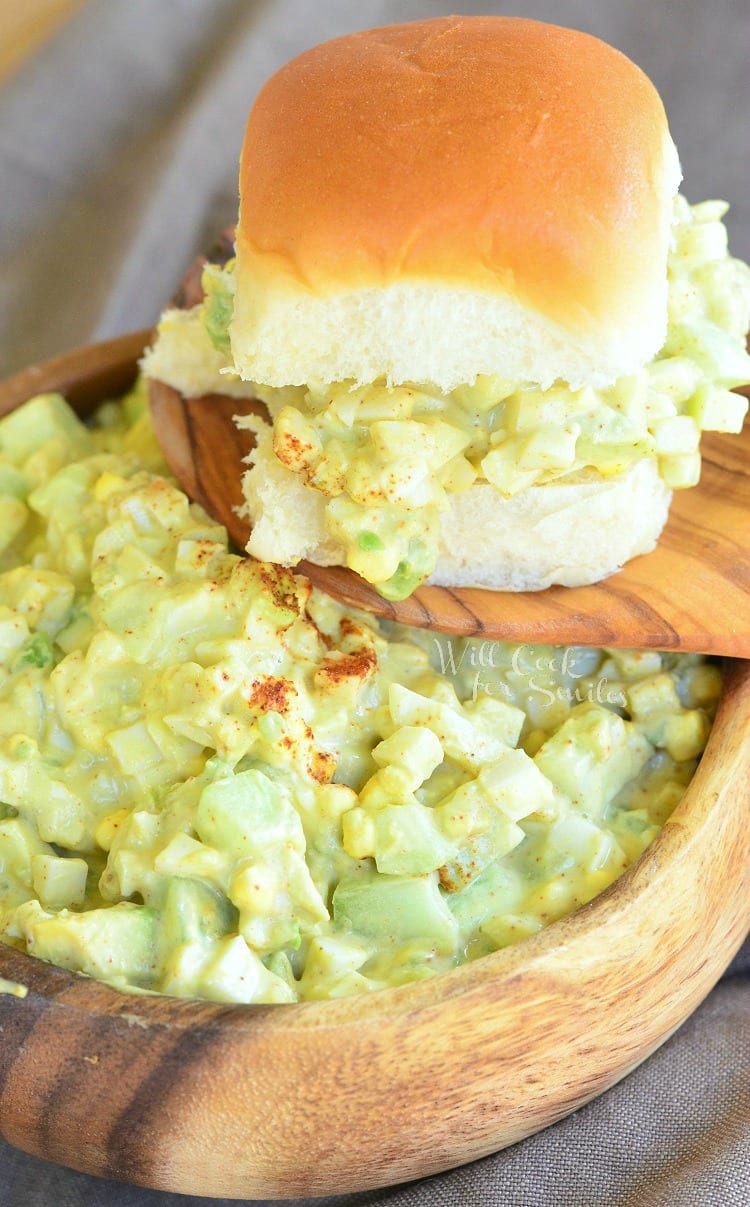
<point x="691" y="593"/>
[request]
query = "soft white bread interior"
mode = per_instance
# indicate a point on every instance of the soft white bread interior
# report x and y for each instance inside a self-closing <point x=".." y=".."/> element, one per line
<point x="183" y="356"/>
<point x="571" y="533"/>
<point x="448" y="197"/>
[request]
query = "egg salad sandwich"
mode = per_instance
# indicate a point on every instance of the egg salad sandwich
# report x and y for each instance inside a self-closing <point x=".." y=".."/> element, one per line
<point x="487" y="328"/>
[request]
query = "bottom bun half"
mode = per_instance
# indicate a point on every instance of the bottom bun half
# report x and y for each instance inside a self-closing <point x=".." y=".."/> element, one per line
<point x="570" y="534"/>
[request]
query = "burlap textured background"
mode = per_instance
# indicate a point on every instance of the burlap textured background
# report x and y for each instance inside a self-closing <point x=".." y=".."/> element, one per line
<point x="118" y="152"/>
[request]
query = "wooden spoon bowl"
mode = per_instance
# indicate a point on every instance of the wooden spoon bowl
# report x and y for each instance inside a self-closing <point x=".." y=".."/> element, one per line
<point x="691" y="593"/>
<point x="333" y="1097"/>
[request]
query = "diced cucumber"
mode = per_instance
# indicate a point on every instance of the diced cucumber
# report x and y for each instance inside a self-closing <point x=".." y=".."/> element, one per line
<point x="395" y="909"/>
<point x="716" y="410"/>
<point x="407" y="840"/>
<point x="45" y="417"/>
<point x="246" y="814"/>
<point x="13" y="516"/>
<point x="679" y="434"/>
<point x="680" y="470"/>
<point x="592" y="755"/>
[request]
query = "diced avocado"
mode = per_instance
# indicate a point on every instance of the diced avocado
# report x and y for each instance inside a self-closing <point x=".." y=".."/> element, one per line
<point x="37" y="651"/>
<point x="496" y="891"/>
<point x="370" y="542"/>
<point x="395" y="909"/>
<point x="218" y="307"/>
<point x="281" y="966"/>
<point x="613" y="457"/>
<point x="193" y="911"/>
<point x="115" y="943"/>
<point x="635" y="831"/>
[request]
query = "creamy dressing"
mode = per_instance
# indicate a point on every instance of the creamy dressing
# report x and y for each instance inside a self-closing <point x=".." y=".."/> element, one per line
<point x="217" y="782"/>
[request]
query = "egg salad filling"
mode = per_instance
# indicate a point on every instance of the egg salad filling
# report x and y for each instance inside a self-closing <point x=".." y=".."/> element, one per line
<point x="388" y="459"/>
<point x="218" y="782"/>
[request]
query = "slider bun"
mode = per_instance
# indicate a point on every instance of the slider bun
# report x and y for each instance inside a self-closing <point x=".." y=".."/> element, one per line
<point x="454" y="196"/>
<point x="573" y="533"/>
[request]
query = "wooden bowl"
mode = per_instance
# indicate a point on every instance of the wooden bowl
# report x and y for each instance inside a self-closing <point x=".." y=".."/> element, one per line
<point x="342" y="1095"/>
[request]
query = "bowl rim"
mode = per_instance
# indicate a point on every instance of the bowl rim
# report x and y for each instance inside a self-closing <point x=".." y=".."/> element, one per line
<point x="81" y="373"/>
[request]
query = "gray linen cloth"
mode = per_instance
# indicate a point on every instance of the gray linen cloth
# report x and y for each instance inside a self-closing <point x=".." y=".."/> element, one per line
<point x="118" y="156"/>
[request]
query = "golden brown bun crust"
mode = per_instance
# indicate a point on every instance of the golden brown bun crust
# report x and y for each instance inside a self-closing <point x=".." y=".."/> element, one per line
<point x="488" y="153"/>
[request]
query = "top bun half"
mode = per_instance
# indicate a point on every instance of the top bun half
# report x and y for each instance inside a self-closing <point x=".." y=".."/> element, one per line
<point x="462" y="195"/>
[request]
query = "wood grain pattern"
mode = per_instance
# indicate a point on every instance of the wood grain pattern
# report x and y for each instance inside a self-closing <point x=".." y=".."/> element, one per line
<point x="86" y="376"/>
<point x="691" y="593"/>
<point x="338" y="1096"/>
